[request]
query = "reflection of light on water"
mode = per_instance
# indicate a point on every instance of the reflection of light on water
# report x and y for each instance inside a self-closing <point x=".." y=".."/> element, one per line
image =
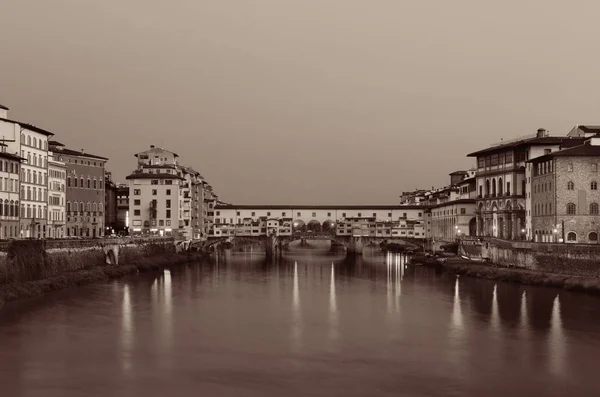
<point x="296" y="314"/>
<point x="524" y="320"/>
<point x="495" y="314"/>
<point x="390" y="274"/>
<point x="457" y="316"/>
<point x="167" y="317"/>
<point x="333" y="311"/>
<point x="556" y="340"/>
<point x="127" y="330"/>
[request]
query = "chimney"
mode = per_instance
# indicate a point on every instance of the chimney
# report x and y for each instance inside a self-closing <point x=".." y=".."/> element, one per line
<point x="541" y="132"/>
<point x="82" y="151"/>
<point x="151" y="146"/>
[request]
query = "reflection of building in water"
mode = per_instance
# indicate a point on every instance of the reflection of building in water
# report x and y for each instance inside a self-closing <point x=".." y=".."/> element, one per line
<point x="395" y="264"/>
<point x="495" y="317"/>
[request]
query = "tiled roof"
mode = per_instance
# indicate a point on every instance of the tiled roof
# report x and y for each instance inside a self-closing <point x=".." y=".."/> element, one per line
<point x="29" y="127"/>
<point x="577" y="151"/>
<point x="140" y="175"/>
<point x="76" y="153"/>
<point x="55" y="143"/>
<point x="545" y="140"/>
<point x="11" y="156"/>
<point x="3" y="107"/>
<point x="319" y="207"/>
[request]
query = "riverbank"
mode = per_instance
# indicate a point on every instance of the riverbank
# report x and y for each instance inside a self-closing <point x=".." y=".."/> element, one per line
<point x="528" y="277"/>
<point x="158" y="262"/>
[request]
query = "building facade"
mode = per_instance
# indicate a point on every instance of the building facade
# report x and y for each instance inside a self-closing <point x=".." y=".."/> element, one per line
<point x="9" y="194"/>
<point x="57" y="196"/>
<point x="565" y="195"/>
<point x="84" y="191"/>
<point x="110" y="206"/>
<point x="503" y="179"/>
<point x="122" y="227"/>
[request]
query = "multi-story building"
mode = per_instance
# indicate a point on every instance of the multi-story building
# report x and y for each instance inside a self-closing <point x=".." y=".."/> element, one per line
<point x="121" y="227"/>
<point x="31" y="144"/>
<point x="451" y="212"/>
<point x="111" y="206"/>
<point x="503" y="196"/>
<point x="57" y="180"/>
<point x="84" y="191"/>
<point x="9" y="193"/>
<point x="565" y="197"/>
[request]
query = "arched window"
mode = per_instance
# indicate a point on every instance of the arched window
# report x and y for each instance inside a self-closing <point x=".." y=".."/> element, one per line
<point x="570" y="167"/>
<point x="593" y="236"/>
<point x="94" y="207"/>
<point x="487" y="187"/>
<point x="35" y="179"/>
<point x="29" y="140"/>
<point x="35" y="160"/>
<point x="28" y="193"/>
<point x="23" y="211"/>
<point x="594" y="209"/>
<point x="34" y="142"/>
<point x="16" y="208"/>
<point x="69" y="182"/>
<point x="82" y="185"/>
<point x="494" y="187"/>
<point x="570" y="185"/>
<point x="89" y="206"/>
<point x="22" y="138"/>
<point x="22" y="192"/>
<point x="571" y="209"/>
<point x="28" y="158"/>
<point x="500" y="187"/>
<point x="571" y="236"/>
<point x="68" y="206"/>
<point x="1" y="207"/>
<point x="89" y="183"/>
<point x="7" y="208"/>
<point x="594" y="185"/>
<point x="12" y="208"/>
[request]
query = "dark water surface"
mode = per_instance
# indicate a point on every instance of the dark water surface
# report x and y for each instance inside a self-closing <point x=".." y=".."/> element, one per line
<point x="309" y="326"/>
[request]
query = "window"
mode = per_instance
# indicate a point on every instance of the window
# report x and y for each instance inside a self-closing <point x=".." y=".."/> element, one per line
<point x="268" y="213"/>
<point x="282" y="214"/>
<point x="571" y="209"/>
<point x="95" y="184"/>
<point x="168" y="192"/>
<point x="237" y="213"/>
<point x="168" y="215"/>
<point x="154" y="182"/>
<point x="570" y="185"/>
<point x="314" y="214"/>
<point x="420" y="214"/>
<point x="594" y="185"/>
<point x="463" y="211"/>
<point x="168" y="222"/>
<point x="154" y="192"/>
<point x="389" y="214"/>
<point x="161" y="222"/>
<point x="508" y="188"/>
<point x="254" y="214"/>
<point x="594" y="167"/>
<point x="137" y="202"/>
<point x="571" y="236"/>
<point x="594" y="209"/>
<point x="136" y="212"/>
<point x="299" y="214"/>
<point x="593" y="236"/>
<point x="343" y="215"/>
<point x="570" y="167"/>
<point x="136" y="192"/>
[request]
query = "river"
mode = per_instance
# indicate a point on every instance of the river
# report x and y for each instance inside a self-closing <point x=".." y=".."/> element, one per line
<point x="311" y="325"/>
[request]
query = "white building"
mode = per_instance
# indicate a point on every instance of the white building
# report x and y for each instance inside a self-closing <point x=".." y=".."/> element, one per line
<point x="30" y="143"/>
<point x="57" y="176"/>
<point x="9" y="194"/>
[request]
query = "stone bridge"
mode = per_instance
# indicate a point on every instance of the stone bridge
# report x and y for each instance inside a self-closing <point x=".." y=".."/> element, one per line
<point x="274" y="245"/>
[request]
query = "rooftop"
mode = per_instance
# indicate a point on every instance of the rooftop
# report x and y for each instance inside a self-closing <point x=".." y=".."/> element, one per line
<point x="80" y="153"/>
<point x="532" y="141"/>
<point x="577" y="151"/>
<point x="30" y="127"/>
<point x="55" y="143"/>
<point x="3" y="107"/>
<point x="318" y="207"/>
<point x="143" y="175"/>
<point x="9" y="156"/>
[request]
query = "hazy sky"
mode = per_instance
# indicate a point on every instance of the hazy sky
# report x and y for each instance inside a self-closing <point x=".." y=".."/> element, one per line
<point x="301" y="101"/>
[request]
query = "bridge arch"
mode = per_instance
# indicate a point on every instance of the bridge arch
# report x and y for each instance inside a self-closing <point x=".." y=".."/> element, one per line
<point x="328" y="226"/>
<point x="314" y="226"/>
<point x="299" y="226"/>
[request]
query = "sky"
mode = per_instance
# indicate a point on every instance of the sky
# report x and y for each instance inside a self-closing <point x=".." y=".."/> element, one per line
<point x="301" y="101"/>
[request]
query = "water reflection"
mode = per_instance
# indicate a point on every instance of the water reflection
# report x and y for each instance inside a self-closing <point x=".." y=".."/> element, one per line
<point x="369" y="326"/>
<point x="127" y="330"/>
<point x="296" y="325"/>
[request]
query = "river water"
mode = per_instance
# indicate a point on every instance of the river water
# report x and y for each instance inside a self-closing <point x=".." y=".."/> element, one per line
<point x="311" y="325"/>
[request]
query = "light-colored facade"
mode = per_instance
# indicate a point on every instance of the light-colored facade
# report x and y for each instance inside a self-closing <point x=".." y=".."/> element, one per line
<point x="57" y="177"/>
<point x="367" y="221"/>
<point x="452" y="208"/>
<point x="9" y="194"/>
<point x="565" y="195"/>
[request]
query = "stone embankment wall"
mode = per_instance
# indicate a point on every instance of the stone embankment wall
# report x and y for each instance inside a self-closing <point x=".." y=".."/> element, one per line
<point x="571" y="259"/>
<point x="22" y="261"/>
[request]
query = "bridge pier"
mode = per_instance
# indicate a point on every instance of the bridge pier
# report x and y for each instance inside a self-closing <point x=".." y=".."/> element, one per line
<point x="355" y="246"/>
